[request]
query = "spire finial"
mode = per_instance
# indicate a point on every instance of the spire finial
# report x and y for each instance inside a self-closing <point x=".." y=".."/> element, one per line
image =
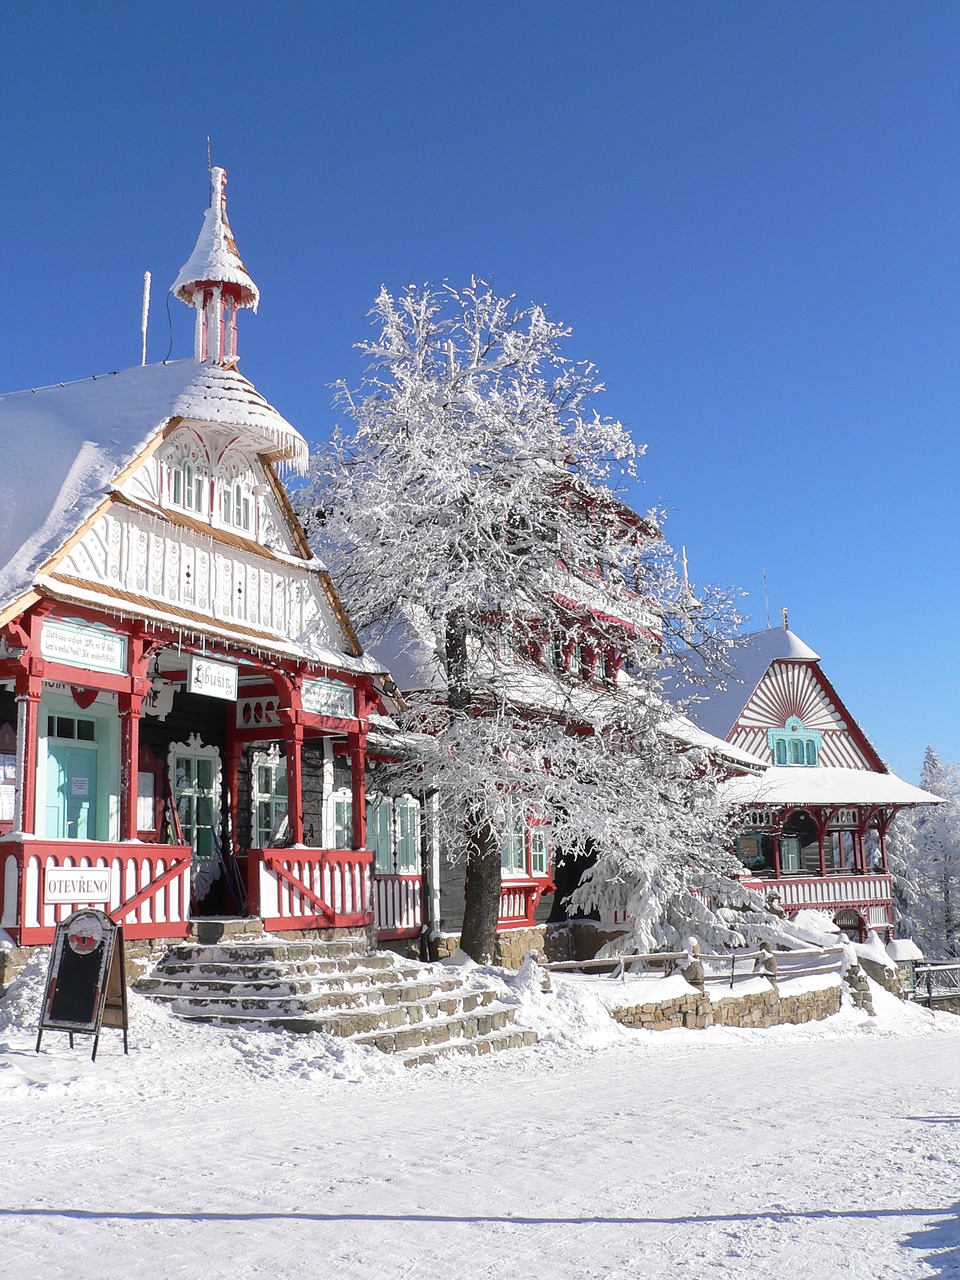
<point x="785" y="627"/>
<point x="215" y="281"/>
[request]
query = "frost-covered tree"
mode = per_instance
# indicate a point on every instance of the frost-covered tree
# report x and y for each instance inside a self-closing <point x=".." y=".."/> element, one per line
<point x="929" y="844"/>
<point x="468" y="509"/>
<point x="901" y="846"/>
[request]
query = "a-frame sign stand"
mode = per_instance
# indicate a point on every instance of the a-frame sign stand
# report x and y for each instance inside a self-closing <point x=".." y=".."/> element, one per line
<point x="86" y="982"/>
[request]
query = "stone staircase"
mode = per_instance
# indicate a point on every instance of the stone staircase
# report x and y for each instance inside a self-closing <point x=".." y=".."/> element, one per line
<point x="418" y="1012"/>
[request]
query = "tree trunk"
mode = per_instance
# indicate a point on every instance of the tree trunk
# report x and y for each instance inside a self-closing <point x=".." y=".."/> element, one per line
<point x="481" y="890"/>
<point x="481" y="906"/>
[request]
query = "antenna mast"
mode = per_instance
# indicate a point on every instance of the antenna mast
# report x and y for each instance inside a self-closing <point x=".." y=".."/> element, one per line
<point x="766" y="598"/>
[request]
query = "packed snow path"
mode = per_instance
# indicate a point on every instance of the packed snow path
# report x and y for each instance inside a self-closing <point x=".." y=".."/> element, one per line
<point x="829" y="1150"/>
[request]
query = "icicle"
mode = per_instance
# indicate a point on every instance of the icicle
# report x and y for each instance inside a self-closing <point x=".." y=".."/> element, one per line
<point x="144" y="316"/>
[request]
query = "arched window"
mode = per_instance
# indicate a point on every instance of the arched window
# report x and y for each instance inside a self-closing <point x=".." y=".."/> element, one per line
<point x="237" y="508"/>
<point x="237" y="504"/>
<point x="186" y="475"/>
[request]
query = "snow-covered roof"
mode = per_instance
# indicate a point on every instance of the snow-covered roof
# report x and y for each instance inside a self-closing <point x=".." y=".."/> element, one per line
<point x="64" y="446"/>
<point x="215" y="258"/>
<point x="683" y="729"/>
<point x="748" y="659"/>
<point x="412" y="662"/>
<point x="788" y="785"/>
<point x="899" y="949"/>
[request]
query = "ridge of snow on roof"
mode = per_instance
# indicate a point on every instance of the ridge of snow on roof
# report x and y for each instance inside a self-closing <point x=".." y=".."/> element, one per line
<point x="748" y="660"/>
<point x="784" y="785"/>
<point x="215" y="256"/>
<point x="64" y="445"/>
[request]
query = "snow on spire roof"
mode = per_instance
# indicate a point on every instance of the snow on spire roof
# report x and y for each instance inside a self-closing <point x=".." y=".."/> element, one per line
<point x="215" y="258"/>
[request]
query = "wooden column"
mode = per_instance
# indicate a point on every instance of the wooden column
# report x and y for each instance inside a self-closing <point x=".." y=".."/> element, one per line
<point x="775" y="840"/>
<point x="130" y="707"/>
<point x="293" y="738"/>
<point x="28" y="691"/>
<point x="358" y="764"/>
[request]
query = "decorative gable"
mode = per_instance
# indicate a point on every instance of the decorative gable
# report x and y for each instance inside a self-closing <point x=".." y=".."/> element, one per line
<point x="794" y="701"/>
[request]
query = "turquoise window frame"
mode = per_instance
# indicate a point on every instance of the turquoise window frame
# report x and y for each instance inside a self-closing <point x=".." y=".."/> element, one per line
<point x="795" y="745"/>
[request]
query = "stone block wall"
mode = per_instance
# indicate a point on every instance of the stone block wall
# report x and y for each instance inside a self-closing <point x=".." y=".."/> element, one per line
<point x="756" y="1009"/>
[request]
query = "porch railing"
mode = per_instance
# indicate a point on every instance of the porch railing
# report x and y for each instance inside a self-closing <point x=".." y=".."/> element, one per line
<point x="518" y="902"/>
<point x="826" y="892"/>
<point x="149" y="890"/>
<point x="302" y="888"/>
<point x="398" y="906"/>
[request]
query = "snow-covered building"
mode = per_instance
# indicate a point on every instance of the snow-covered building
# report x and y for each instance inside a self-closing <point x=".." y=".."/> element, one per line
<point x="573" y="675"/>
<point x="815" y="821"/>
<point x="183" y="702"/>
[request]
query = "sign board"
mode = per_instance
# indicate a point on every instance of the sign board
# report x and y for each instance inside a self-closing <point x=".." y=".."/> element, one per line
<point x="77" y="645"/>
<point x="77" y="885"/>
<point x="213" y="679"/>
<point x="86" y="986"/>
<point x="328" y="698"/>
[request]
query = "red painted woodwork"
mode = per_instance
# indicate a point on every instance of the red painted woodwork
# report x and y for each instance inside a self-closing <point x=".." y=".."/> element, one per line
<point x="313" y="888"/>
<point x="518" y="901"/>
<point x="151" y="896"/>
<point x="398" y="906"/>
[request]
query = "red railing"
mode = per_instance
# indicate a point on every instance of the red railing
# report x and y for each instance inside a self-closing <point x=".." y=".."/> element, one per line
<point x="301" y="888"/>
<point x="518" y="902"/>
<point x="149" y="891"/>
<point x="398" y="906"/>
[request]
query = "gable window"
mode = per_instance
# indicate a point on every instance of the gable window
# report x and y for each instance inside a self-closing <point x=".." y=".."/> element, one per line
<point x="187" y="486"/>
<point x="795" y="745"/>
<point x="237" y="508"/>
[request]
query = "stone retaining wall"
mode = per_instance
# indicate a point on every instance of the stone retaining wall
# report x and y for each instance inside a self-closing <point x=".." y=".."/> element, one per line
<point x="757" y="1009"/>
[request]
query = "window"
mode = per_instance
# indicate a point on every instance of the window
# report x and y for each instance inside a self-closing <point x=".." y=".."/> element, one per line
<point x="790" y="853"/>
<point x="513" y="860"/>
<point x="380" y="833"/>
<point x="187" y="486"/>
<point x="269" y="797"/>
<point x="197" y="807"/>
<point x="539" y="852"/>
<point x="71" y="727"/>
<point x="237" y="509"/>
<point x="342" y="808"/>
<point x="393" y="833"/>
<point x="794" y="745"/>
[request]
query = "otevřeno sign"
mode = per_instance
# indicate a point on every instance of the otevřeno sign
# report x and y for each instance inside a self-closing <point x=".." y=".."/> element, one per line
<point x="80" y="885"/>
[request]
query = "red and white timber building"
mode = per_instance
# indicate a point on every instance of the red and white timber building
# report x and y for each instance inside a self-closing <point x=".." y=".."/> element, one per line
<point x="815" y="821"/>
<point x="553" y="676"/>
<point x="183" y="702"/>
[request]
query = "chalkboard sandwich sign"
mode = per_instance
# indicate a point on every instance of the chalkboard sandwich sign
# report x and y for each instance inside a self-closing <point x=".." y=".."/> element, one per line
<point x="86" y="982"/>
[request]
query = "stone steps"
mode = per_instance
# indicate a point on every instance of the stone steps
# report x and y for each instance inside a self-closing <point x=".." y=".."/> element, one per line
<point x="339" y="987"/>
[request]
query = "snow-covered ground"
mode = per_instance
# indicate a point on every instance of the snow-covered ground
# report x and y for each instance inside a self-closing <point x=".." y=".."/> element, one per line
<point x="822" y="1151"/>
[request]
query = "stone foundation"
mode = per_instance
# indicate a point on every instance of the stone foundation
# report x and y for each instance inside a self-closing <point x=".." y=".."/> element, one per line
<point x="757" y="1009"/>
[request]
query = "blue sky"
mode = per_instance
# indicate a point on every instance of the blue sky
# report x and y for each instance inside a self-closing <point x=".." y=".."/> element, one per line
<point x="749" y="213"/>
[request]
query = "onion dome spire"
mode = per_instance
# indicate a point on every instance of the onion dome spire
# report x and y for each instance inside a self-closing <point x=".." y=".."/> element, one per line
<point x="215" y="281"/>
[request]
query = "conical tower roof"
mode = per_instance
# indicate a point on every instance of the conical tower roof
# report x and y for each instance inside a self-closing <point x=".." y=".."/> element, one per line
<point x="215" y="259"/>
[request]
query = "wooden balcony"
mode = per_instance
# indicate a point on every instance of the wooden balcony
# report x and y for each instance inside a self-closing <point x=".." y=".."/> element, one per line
<point x="828" y="893"/>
